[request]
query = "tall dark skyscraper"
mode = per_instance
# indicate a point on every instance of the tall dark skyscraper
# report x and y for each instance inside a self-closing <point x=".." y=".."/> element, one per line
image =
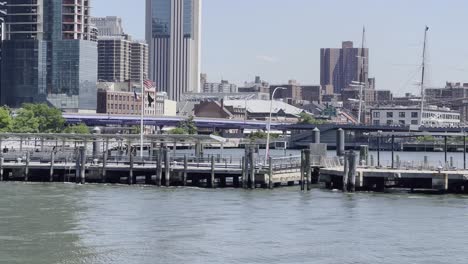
<point x="173" y="35"/>
<point x="48" y="55"/>
<point x="339" y="67"/>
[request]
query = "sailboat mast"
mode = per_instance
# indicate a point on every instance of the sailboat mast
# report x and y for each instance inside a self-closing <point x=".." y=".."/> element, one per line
<point x="423" y="94"/>
<point x="361" y="77"/>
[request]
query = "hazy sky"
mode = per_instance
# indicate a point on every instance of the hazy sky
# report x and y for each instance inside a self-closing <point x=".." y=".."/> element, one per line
<point x="281" y="39"/>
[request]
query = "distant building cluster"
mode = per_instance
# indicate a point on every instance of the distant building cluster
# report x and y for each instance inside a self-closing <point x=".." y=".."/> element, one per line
<point x="56" y="52"/>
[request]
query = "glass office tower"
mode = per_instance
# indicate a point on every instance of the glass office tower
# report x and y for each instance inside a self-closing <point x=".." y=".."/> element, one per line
<point x="48" y="57"/>
<point x="173" y="34"/>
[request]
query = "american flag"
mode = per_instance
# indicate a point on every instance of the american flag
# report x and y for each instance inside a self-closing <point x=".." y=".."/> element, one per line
<point x="149" y="85"/>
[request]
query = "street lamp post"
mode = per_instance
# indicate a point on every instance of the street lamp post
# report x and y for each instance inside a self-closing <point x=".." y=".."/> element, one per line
<point x="267" y="148"/>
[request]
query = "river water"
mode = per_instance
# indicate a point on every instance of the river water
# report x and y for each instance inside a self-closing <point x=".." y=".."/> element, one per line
<point x="94" y="224"/>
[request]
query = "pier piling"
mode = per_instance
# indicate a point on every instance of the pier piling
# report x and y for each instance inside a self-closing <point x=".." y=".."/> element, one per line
<point x="83" y="165"/>
<point x="167" y="167"/>
<point x="1" y="168"/>
<point x="302" y="170"/>
<point x="26" y="166"/>
<point x="159" y="167"/>
<point x="184" y="180"/>
<point x="211" y="182"/>
<point x="104" y="167"/>
<point x="252" y="168"/>
<point x="244" y="172"/>
<point x="52" y="161"/>
<point x="308" y="169"/>
<point x="352" y="171"/>
<point x="130" y="174"/>
<point x="270" y="173"/>
<point x="345" y="173"/>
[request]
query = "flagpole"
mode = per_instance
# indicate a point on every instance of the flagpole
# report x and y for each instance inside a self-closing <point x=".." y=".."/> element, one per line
<point x="142" y="109"/>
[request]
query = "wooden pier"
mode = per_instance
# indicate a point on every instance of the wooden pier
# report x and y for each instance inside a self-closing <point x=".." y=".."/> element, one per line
<point x="114" y="159"/>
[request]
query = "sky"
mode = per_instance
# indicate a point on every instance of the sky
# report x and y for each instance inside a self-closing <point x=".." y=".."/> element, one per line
<point x="281" y="39"/>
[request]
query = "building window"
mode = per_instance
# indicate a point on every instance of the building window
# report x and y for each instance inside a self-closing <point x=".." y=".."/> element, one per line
<point x="414" y="122"/>
<point x="376" y="122"/>
<point x="389" y="122"/>
<point x="402" y="114"/>
<point x="389" y="114"/>
<point x="414" y="114"/>
<point x="376" y="114"/>
<point x="402" y="122"/>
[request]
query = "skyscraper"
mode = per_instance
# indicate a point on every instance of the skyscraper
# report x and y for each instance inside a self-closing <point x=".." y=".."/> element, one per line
<point x="340" y="67"/>
<point x="121" y="60"/>
<point x="173" y="30"/>
<point x="48" y="55"/>
<point x="109" y="26"/>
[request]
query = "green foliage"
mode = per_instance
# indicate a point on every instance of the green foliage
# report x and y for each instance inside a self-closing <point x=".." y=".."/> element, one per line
<point x="425" y="139"/>
<point x="50" y="119"/>
<point x="307" y="119"/>
<point x="25" y="121"/>
<point x="135" y="130"/>
<point x="6" y="121"/>
<point x="261" y="135"/>
<point x="77" y="129"/>
<point x="177" y="131"/>
<point x="188" y="126"/>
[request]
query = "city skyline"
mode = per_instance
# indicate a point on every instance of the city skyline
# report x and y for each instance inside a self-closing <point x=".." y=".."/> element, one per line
<point x="278" y="57"/>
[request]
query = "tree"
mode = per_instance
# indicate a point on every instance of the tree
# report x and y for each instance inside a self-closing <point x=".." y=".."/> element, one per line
<point x="307" y="119"/>
<point x="188" y="126"/>
<point x="50" y="119"/>
<point x="6" y="120"/>
<point x="77" y="129"/>
<point x="261" y="135"/>
<point x="25" y="121"/>
<point x="177" y="131"/>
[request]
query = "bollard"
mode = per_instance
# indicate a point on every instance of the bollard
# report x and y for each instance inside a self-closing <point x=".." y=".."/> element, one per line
<point x="364" y="155"/>
<point x="52" y="161"/>
<point x="451" y="162"/>
<point x="352" y="171"/>
<point x="345" y="173"/>
<point x="316" y="135"/>
<point x="426" y="162"/>
<point x="398" y="161"/>
<point x="340" y="142"/>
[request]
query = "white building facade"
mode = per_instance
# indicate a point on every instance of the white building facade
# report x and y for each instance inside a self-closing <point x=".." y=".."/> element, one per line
<point x="399" y="115"/>
<point x="173" y="29"/>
